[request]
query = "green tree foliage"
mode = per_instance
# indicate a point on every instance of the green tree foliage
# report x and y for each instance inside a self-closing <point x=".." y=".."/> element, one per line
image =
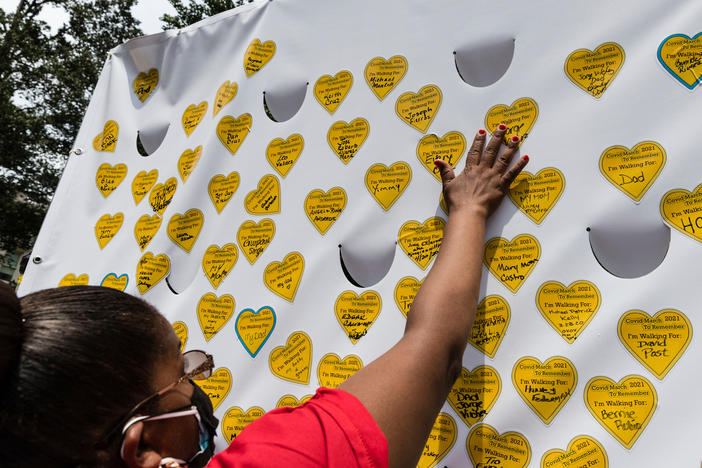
<point x="196" y="10"/>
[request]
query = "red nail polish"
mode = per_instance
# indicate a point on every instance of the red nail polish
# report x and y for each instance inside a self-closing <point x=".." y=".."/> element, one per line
<point x="515" y="138"/>
<point x="526" y="157"/>
<point x="502" y="127"/>
<point x="481" y="131"/>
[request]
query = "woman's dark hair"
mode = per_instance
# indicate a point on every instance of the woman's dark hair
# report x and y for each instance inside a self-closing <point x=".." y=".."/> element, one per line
<point x="73" y="361"/>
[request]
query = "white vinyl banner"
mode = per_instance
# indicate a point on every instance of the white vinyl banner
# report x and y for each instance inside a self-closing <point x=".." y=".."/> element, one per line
<point x="265" y="178"/>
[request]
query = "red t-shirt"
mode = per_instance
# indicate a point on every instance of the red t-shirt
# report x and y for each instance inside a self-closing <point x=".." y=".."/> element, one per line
<point x="332" y="429"/>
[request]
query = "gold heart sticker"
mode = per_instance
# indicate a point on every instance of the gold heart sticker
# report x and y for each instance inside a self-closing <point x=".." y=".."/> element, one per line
<point x="213" y="313"/>
<point x="624" y="408"/>
<point x="253" y="328"/>
<point x="486" y="447"/>
<point x="594" y="71"/>
<point x="421" y="241"/>
<point x="145" y="83"/>
<point x="181" y="330"/>
<point x="682" y="57"/>
<point x="224" y="95"/>
<point x="356" y="314"/>
<point x="150" y="270"/>
<point x="183" y="229"/>
<point x="324" y="208"/>
<point x="405" y="290"/>
<point x="72" y="280"/>
<point x="545" y="387"/>
<point x="235" y="420"/>
<point x="582" y="451"/>
<point x="283" y="278"/>
<point x="345" y="139"/>
<point x="266" y="198"/>
<point x="383" y="75"/>
<point x="106" y="228"/>
<point x="108" y="177"/>
<point x="682" y="210"/>
<point x="657" y="342"/>
<point x="232" y="132"/>
<point x="283" y="154"/>
<point x="568" y="309"/>
<point x="512" y="262"/>
<point x="253" y="238"/>
<point x="419" y="109"/>
<point x="293" y="361"/>
<point x="193" y="116"/>
<point x="474" y="393"/>
<point x="290" y="401"/>
<point x="111" y="280"/>
<point x="449" y="147"/>
<point x="222" y="189"/>
<point x="386" y="184"/>
<point x="187" y="162"/>
<point x="217" y="263"/>
<point x="107" y="139"/>
<point x="145" y="229"/>
<point x="330" y="91"/>
<point x="633" y="170"/>
<point x="257" y="55"/>
<point x="490" y="324"/>
<point x="332" y="371"/>
<point x="142" y="183"/>
<point x="162" y="194"/>
<point x="536" y="194"/>
<point x="217" y="385"/>
<point x="519" y="118"/>
<point x="440" y="441"/>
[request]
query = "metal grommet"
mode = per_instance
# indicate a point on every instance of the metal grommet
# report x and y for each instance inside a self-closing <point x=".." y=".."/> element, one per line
<point x="36" y="260"/>
<point x="77" y="151"/>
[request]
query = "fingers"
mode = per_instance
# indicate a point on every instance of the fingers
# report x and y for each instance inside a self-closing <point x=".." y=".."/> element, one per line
<point x="445" y="171"/>
<point x="505" y="158"/>
<point x="476" y="148"/>
<point x="493" y="147"/>
<point x="514" y="171"/>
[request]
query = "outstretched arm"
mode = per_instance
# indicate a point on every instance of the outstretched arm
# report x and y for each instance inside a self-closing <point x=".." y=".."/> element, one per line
<point x="405" y="388"/>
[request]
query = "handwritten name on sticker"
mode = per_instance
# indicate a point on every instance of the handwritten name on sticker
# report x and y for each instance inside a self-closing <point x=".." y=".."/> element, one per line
<point x="419" y="109"/>
<point x="486" y="447"/>
<point x="235" y="420"/>
<point x="106" y="227"/>
<point x="107" y="139"/>
<point x="253" y="328"/>
<point x="232" y="131"/>
<point x="545" y="387"/>
<point x="283" y="154"/>
<point x="290" y="401"/>
<point x="181" y="331"/>
<point x="145" y="83"/>
<point x="383" y="75"/>
<point x="330" y="91"/>
<point x="511" y="262"/>
<point x="192" y="116"/>
<point x="266" y="198"/>
<point x="257" y="55"/>
<point x="225" y="94"/>
<point x="440" y="441"/>
<point x="183" y="229"/>
<point x="72" y="279"/>
<point x="293" y="361"/>
<point x="682" y="210"/>
<point x="634" y="170"/>
<point x="150" y="270"/>
<point x="217" y="385"/>
<point x="449" y="147"/>
<point x="218" y="262"/>
<point x="593" y="71"/>
<point x="405" y="291"/>
<point x="474" y="393"/>
<point x="582" y="451"/>
<point x="357" y="313"/>
<point x="283" y="278"/>
<point x="536" y="194"/>
<point x="187" y="162"/>
<point x="386" y="184"/>
<point x="681" y="55"/>
<point x="332" y="371"/>
<point x="421" y="241"/>
<point x="111" y="280"/>
<point x="221" y="189"/>
<point x="142" y="184"/>
<point x="490" y="324"/>
<point x="145" y="229"/>
<point x="324" y="208"/>
<point x="108" y="177"/>
<point x="624" y="408"/>
<point x="657" y="342"/>
<point x="568" y="309"/>
<point x="162" y="194"/>
<point x="519" y="118"/>
<point x="253" y="238"/>
<point x="213" y="313"/>
<point x="345" y="139"/>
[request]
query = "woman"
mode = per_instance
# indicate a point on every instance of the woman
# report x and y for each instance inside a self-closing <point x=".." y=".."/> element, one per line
<point x="94" y="377"/>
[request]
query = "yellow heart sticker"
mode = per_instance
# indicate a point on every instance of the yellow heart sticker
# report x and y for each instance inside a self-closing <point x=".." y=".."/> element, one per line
<point x="144" y="84"/>
<point x="421" y="241"/>
<point x="253" y="238"/>
<point x="324" y="208"/>
<point x="383" y="75"/>
<point x="72" y="280"/>
<point x="405" y="290"/>
<point x="232" y="132"/>
<point x="266" y="198"/>
<point x="253" y="328"/>
<point x="440" y="441"/>
<point x="283" y="154"/>
<point x="106" y="228"/>
<point x="474" y="393"/>
<point x="111" y="280"/>
<point x="657" y="342"/>
<point x="419" y="109"/>
<point x="213" y="313"/>
<point x="545" y="387"/>
<point x="150" y="270"/>
<point x="293" y="361"/>
<point x="290" y="401"/>
<point x="486" y="447"/>
<point x="624" y="408"/>
<point x="512" y="262"/>
<point x="682" y="210"/>
<point x="682" y="57"/>
<point x="536" y="194"/>
<point x="257" y="55"/>
<point x="568" y="309"/>
<point x="357" y="313"/>
<point x="330" y="91"/>
<point x="181" y="330"/>
<point x="224" y="95"/>
<point x="146" y="228"/>
<point x="490" y="324"/>
<point x="217" y="263"/>
<point x="235" y="420"/>
<point x="582" y="451"/>
<point x="193" y="116"/>
<point x="519" y="118"/>
<point x="222" y="189"/>
<point x="633" y="170"/>
<point x="108" y="177"/>
<point x="184" y="229"/>
<point x="162" y="194"/>
<point x="449" y="147"/>
<point x="217" y="385"/>
<point x="283" y="278"/>
<point x="142" y="183"/>
<point x="386" y="184"/>
<point x="594" y="71"/>
<point x="345" y="139"/>
<point x="187" y="162"/>
<point x="107" y="139"/>
<point x="332" y="371"/>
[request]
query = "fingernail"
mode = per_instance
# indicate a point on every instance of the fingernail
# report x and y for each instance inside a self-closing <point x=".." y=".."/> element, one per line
<point x="481" y="131"/>
<point x="515" y="138"/>
<point x="526" y="157"/>
<point x="502" y="127"/>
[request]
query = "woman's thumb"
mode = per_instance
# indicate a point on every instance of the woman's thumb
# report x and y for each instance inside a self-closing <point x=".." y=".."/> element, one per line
<point x="445" y="171"/>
